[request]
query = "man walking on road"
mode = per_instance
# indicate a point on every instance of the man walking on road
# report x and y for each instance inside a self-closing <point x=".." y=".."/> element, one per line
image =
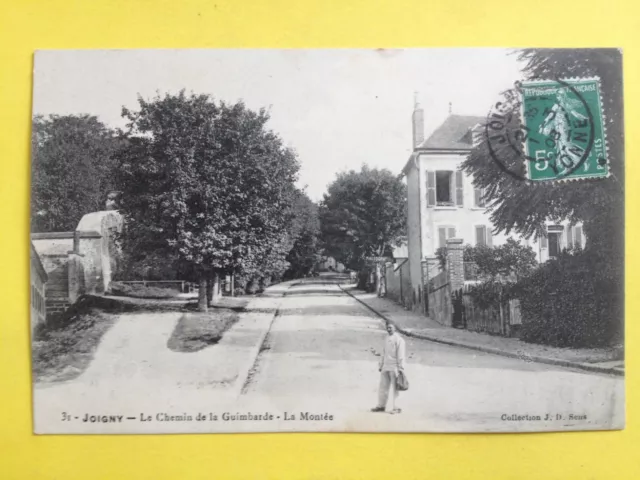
<point x="391" y="361"/>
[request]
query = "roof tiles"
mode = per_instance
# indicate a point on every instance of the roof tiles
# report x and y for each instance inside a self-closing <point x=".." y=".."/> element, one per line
<point x="453" y="134"/>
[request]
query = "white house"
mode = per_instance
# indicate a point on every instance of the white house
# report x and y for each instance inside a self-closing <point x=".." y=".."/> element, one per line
<point x="442" y="202"/>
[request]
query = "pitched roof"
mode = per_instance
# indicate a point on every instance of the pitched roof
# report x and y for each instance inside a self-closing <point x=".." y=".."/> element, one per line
<point x="454" y="133"/>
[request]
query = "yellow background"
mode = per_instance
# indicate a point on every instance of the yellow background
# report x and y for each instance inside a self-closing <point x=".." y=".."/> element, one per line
<point x="27" y="25"/>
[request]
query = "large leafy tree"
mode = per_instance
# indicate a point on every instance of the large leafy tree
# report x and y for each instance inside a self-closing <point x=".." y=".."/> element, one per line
<point x="363" y="215"/>
<point x="207" y="184"/>
<point x="523" y="207"/>
<point x="72" y="170"/>
<point x="305" y="251"/>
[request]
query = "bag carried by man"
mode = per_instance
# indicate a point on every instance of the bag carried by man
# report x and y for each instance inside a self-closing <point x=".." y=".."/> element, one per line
<point x="402" y="383"/>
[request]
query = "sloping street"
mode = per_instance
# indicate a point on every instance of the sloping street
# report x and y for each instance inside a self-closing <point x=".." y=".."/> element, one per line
<point x="322" y="352"/>
<point x="318" y="356"/>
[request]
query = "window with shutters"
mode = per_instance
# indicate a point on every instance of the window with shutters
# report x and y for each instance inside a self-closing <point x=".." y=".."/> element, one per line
<point x="445" y="232"/>
<point x="574" y="236"/>
<point x="445" y="188"/>
<point x="483" y="236"/>
<point x="478" y="196"/>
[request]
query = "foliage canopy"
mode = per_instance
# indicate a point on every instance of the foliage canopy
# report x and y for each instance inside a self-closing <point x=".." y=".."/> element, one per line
<point x="72" y="170"/>
<point x="207" y="184"/>
<point x="363" y="214"/>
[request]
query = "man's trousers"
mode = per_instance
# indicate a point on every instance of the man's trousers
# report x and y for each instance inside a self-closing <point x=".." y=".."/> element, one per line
<point x="387" y="382"/>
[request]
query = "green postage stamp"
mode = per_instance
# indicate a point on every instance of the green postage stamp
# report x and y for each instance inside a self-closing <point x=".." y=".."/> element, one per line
<point x="565" y="129"/>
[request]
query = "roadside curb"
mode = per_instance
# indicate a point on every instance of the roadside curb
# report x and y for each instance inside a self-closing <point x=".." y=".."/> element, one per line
<point x="495" y="351"/>
<point x="244" y="375"/>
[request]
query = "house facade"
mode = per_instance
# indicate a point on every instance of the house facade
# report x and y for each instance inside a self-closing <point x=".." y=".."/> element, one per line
<point x="443" y="203"/>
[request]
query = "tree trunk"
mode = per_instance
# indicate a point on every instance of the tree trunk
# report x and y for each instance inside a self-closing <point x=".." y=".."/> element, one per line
<point x="216" y="288"/>
<point x="202" y="294"/>
<point x="233" y="285"/>
<point x="209" y="291"/>
<point x="378" y="275"/>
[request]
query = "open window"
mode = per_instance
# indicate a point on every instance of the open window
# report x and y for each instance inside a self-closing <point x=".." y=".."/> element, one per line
<point x="444" y="188"/>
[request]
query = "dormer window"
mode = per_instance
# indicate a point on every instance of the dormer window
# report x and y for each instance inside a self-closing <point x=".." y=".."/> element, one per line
<point x="473" y="136"/>
<point x="476" y="135"/>
<point x="467" y="137"/>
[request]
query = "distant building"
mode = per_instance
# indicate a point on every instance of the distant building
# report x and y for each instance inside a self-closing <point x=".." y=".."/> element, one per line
<point x="330" y="264"/>
<point x="38" y="290"/>
<point x="443" y="203"/>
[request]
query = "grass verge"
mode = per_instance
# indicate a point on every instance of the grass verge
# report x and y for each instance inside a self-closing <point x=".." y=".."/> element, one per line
<point x="197" y="330"/>
<point x="141" y="291"/>
<point x="64" y="350"/>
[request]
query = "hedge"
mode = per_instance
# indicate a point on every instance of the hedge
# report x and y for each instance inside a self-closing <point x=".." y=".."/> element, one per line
<point x="570" y="302"/>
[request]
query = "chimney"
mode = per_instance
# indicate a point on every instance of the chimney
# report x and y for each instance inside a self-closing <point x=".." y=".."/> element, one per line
<point x="418" y="122"/>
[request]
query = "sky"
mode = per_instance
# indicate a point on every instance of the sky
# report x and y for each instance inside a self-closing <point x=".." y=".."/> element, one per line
<point x="338" y="109"/>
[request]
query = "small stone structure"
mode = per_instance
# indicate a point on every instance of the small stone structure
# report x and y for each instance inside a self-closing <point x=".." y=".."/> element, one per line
<point x="81" y="261"/>
<point x="99" y="252"/>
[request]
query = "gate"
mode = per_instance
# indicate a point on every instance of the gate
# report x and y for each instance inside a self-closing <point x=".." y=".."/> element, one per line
<point x="459" y="319"/>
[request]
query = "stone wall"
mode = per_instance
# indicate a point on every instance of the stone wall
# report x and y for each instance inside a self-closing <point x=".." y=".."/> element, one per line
<point x="398" y="283"/>
<point x="38" y="289"/>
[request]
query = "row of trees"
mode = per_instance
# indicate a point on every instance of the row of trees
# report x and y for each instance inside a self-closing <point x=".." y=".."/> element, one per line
<point x="206" y="189"/>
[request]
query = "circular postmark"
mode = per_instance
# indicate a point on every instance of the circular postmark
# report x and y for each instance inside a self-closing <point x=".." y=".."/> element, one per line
<point x="541" y="131"/>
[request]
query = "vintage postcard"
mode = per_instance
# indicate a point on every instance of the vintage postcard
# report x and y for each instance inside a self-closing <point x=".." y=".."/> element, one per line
<point x="419" y="240"/>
